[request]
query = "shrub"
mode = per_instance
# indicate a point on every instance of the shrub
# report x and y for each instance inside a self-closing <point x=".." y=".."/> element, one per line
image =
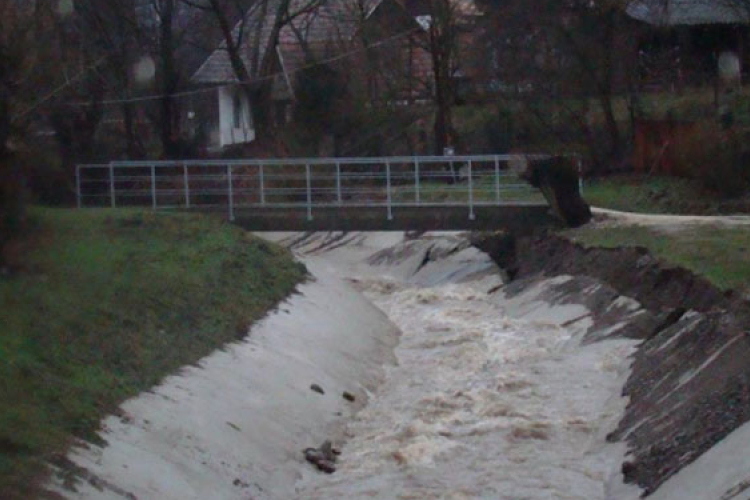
<point x="717" y="158"/>
<point x="11" y="205"/>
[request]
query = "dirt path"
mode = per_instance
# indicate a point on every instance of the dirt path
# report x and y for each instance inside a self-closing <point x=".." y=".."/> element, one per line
<point x="605" y="217"/>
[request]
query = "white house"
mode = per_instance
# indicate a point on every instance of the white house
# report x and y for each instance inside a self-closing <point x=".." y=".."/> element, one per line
<point x="235" y="119"/>
<point x="326" y="31"/>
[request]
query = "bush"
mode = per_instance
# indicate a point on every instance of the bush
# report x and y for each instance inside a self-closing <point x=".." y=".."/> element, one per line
<point x="717" y="158"/>
<point x="11" y="205"/>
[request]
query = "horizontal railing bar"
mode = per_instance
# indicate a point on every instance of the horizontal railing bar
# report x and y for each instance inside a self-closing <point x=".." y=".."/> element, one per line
<point x="343" y="161"/>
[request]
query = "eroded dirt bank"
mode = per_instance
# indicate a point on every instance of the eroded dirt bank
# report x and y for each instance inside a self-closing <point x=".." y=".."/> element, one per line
<point x="690" y="382"/>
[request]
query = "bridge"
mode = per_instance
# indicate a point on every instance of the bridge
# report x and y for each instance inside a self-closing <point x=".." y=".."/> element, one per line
<point x="404" y="193"/>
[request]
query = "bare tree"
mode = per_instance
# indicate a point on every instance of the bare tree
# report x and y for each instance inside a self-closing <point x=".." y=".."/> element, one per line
<point x="17" y="57"/>
<point x="112" y="33"/>
<point x="163" y="29"/>
<point x="573" y="53"/>
<point x="251" y="43"/>
<point x="444" y="25"/>
<point x="22" y="72"/>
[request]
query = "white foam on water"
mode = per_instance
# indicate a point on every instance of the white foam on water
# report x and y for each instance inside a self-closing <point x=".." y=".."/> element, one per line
<point x="481" y="405"/>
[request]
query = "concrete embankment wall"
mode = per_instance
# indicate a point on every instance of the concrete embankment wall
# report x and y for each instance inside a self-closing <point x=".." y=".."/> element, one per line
<point x="689" y="390"/>
<point x="235" y="426"/>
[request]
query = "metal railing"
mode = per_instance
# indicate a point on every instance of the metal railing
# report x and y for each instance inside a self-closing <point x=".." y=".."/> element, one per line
<point x="309" y="183"/>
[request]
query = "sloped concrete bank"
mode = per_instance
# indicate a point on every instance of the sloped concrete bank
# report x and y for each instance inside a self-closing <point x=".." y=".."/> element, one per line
<point x="234" y="426"/>
<point x="689" y="391"/>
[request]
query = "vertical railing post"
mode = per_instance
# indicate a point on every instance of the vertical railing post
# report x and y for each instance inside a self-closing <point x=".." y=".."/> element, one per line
<point x="388" y="188"/>
<point x="230" y="189"/>
<point x="78" y="186"/>
<point x="472" y="215"/>
<point x="497" y="180"/>
<point x="338" y="183"/>
<point x="186" y="184"/>
<point x="153" y="187"/>
<point x="309" y="191"/>
<point x="416" y="181"/>
<point x="112" y="196"/>
<point x="580" y="174"/>
<point x="261" y="174"/>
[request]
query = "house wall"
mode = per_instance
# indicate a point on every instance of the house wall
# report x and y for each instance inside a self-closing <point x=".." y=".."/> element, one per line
<point x="686" y="55"/>
<point x="235" y="120"/>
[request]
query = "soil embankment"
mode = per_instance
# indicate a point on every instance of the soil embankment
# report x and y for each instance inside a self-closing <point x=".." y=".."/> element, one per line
<point x="690" y="382"/>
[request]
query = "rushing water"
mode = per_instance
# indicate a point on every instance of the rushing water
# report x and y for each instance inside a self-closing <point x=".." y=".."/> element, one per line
<point x="479" y="406"/>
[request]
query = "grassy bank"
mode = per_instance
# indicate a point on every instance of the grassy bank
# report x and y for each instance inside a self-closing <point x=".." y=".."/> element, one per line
<point x="104" y="304"/>
<point x="721" y="254"/>
<point x="642" y="194"/>
<point x="659" y="195"/>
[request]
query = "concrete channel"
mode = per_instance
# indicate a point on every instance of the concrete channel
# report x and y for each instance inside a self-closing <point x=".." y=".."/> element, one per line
<point x="412" y="355"/>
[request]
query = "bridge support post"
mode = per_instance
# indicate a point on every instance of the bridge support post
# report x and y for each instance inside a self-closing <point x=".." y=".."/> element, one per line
<point x="262" y="180"/>
<point x="388" y="189"/>
<point x="497" y="180"/>
<point x="112" y="197"/>
<point x="472" y="215"/>
<point x="231" y="192"/>
<point x="309" y="192"/>
<point x="186" y="184"/>
<point x="338" y="183"/>
<point x="154" y="202"/>
<point x="416" y="181"/>
<point x="78" y="186"/>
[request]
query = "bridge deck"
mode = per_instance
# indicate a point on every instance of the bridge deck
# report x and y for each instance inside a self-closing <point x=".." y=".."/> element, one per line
<point x="516" y="218"/>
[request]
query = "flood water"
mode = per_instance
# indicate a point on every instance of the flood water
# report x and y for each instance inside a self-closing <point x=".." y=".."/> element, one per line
<point x="480" y="405"/>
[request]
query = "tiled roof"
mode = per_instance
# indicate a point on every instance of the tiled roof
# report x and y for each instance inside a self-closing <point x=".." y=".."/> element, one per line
<point x="689" y="12"/>
<point x="332" y="22"/>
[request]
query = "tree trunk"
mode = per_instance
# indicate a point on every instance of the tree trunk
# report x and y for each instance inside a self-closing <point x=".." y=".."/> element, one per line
<point x="606" y="86"/>
<point x="169" y="82"/>
<point x="613" y="129"/>
<point x="4" y="125"/>
<point x="441" y="46"/>
<point x="259" y="92"/>
<point x="132" y="144"/>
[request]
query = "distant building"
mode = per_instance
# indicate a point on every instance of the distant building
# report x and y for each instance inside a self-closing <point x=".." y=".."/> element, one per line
<point x="684" y="39"/>
<point x="335" y="31"/>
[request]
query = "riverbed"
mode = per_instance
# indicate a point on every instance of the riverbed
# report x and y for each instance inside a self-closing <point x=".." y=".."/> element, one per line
<point x="491" y="398"/>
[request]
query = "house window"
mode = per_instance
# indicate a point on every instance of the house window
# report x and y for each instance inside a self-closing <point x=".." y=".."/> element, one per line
<point x="237" y="110"/>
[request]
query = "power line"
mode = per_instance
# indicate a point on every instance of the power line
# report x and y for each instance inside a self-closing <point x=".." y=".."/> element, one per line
<point x="154" y="97"/>
<point x="57" y="90"/>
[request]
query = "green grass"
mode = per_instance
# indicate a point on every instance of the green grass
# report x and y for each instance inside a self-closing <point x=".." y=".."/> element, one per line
<point x="660" y="195"/>
<point x="103" y="305"/>
<point x="643" y="194"/>
<point x="512" y="189"/>
<point x="721" y="254"/>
